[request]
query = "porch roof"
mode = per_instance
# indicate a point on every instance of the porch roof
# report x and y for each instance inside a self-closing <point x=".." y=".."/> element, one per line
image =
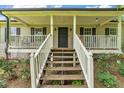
<point x="62" y="11"/>
<point x="35" y="16"/>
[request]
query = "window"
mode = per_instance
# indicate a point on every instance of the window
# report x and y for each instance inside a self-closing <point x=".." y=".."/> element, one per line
<point x="87" y="31"/>
<point x="15" y="31"/>
<point x="38" y="31"/>
<point x="110" y="31"/>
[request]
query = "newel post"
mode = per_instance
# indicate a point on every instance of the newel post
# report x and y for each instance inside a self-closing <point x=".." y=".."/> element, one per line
<point x="91" y="71"/>
<point x="32" y="71"/>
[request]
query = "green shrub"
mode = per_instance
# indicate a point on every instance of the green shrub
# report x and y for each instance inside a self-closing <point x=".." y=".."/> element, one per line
<point x="121" y="69"/>
<point x="25" y="74"/>
<point x="56" y="82"/>
<point x="107" y="78"/>
<point x="1" y="71"/>
<point x="102" y="61"/>
<point x="77" y="82"/>
<point x="3" y="84"/>
<point x="7" y="67"/>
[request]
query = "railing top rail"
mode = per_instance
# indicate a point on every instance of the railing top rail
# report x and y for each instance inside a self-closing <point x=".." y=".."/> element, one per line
<point x="87" y="53"/>
<point x="98" y="35"/>
<point x="28" y="35"/>
<point x="37" y="52"/>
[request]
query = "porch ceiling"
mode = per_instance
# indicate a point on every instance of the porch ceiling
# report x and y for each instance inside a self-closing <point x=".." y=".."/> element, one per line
<point x="92" y="20"/>
<point x="35" y="20"/>
<point x="62" y="20"/>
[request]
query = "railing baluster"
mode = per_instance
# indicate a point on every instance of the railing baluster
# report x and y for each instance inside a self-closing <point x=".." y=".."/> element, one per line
<point x="99" y="41"/>
<point x="40" y="58"/>
<point x="85" y="59"/>
<point x="26" y="41"/>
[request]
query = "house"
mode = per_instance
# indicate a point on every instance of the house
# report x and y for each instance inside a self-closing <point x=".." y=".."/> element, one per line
<point x="40" y="31"/>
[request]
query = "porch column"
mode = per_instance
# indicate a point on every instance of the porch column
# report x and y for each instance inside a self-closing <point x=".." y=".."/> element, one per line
<point x="119" y="31"/>
<point x="74" y="28"/>
<point x="51" y="28"/>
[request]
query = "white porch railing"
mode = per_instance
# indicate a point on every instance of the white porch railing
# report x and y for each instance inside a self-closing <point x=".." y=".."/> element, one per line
<point x="26" y="41"/>
<point x="100" y="41"/>
<point x="2" y="49"/>
<point x="38" y="60"/>
<point x="86" y="61"/>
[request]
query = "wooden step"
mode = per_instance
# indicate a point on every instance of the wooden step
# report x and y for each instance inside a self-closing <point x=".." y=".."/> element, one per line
<point x="63" y="68"/>
<point x="63" y="77"/>
<point x="60" y="52"/>
<point x="64" y="86"/>
<point x="65" y="62"/>
<point x="60" y="49"/>
<point x="63" y="57"/>
<point x="63" y="49"/>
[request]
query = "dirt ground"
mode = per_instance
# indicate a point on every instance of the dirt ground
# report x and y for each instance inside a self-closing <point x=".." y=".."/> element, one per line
<point x="18" y="84"/>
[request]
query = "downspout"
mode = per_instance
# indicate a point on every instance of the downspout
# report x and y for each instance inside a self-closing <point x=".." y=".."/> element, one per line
<point x="7" y="34"/>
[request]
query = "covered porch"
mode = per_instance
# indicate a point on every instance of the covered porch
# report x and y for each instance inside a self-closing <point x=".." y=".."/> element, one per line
<point x="97" y="30"/>
<point x="93" y="36"/>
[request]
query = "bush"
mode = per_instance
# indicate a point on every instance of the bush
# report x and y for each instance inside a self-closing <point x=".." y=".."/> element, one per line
<point x="3" y="84"/>
<point x="56" y="82"/>
<point x="121" y="69"/>
<point x="102" y="61"/>
<point x="1" y="71"/>
<point x="77" y="82"/>
<point x="107" y="78"/>
<point x="7" y="67"/>
<point x="25" y="74"/>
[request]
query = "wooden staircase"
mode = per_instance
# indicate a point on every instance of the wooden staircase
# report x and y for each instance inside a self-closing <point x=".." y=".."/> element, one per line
<point x="62" y="70"/>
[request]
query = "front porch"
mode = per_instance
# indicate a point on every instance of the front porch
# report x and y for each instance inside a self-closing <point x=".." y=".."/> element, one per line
<point x="97" y="36"/>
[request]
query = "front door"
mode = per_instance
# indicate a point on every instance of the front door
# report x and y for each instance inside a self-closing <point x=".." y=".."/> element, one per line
<point x="63" y="37"/>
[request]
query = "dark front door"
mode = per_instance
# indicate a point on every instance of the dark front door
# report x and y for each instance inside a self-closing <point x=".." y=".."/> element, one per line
<point x="62" y="37"/>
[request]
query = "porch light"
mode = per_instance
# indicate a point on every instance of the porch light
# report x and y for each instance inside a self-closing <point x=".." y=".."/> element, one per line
<point x="96" y="19"/>
<point x="70" y="29"/>
<point x="55" y="29"/>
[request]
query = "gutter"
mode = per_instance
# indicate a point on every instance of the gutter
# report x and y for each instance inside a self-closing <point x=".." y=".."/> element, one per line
<point x="60" y="9"/>
<point x="6" y="34"/>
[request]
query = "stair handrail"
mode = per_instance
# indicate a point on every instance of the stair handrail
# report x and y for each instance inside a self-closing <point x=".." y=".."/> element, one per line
<point x="38" y="60"/>
<point x="86" y="61"/>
